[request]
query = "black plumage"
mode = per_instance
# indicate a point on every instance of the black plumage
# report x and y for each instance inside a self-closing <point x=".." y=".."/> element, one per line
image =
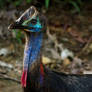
<point x="58" y="82"/>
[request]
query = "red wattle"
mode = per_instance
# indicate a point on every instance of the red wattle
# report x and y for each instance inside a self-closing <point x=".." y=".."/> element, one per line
<point x="42" y="70"/>
<point x="24" y="78"/>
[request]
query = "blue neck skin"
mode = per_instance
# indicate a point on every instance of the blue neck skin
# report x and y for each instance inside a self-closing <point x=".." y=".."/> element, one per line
<point x="32" y="48"/>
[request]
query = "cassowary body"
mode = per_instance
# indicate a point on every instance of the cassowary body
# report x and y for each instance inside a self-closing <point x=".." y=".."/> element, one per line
<point x="36" y="77"/>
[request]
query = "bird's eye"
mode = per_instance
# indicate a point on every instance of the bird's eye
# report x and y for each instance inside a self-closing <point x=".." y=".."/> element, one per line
<point x="33" y="21"/>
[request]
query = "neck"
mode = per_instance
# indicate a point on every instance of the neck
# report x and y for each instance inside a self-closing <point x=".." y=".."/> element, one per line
<point x="32" y="58"/>
<point x="32" y="49"/>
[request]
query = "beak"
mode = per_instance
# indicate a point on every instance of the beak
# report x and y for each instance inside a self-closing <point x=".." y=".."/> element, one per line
<point x="17" y="25"/>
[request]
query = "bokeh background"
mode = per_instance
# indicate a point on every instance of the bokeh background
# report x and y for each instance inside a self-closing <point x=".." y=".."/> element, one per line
<point x="67" y="43"/>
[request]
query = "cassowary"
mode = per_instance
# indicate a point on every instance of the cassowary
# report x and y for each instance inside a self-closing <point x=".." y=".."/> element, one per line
<point x="36" y="77"/>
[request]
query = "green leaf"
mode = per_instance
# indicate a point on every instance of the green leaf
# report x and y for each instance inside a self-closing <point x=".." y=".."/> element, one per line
<point x="28" y="1"/>
<point x="18" y="2"/>
<point x="47" y="3"/>
<point x="75" y="5"/>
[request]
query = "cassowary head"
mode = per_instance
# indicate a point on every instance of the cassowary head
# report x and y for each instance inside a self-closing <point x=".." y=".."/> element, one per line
<point x="31" y="21"/>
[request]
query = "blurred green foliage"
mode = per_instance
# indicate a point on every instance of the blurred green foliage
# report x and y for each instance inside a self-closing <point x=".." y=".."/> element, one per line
<point x="3" y="3"/>
<point x="46" y="3"/>
<point x="74" y="3"/>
